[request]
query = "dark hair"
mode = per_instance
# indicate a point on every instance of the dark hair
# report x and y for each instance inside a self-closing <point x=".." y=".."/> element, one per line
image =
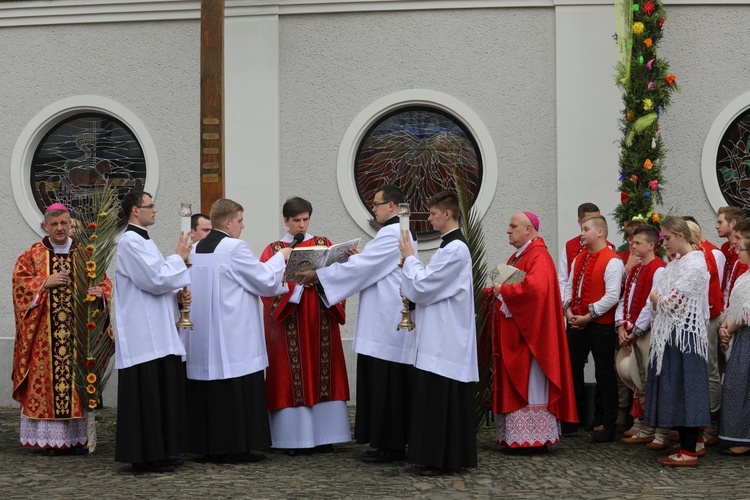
<point x="629" y="230"/>
<point x="649" y="232"/>
<point x="586" y="208"/>
<point x="446" y="200"/>
<point x="195" y="218"/>
<point x="295" y="206"/>
<point x="132" y="199"/>
<point x="391" y="193"/>
<point x="690" y="218"/>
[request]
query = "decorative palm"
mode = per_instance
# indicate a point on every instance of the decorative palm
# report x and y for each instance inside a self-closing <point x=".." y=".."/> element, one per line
<point x="93" y="341"/>
<point x="472" y="229"/>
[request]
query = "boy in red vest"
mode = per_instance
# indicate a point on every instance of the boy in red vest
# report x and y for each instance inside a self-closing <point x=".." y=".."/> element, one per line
<point x="633" y="320"/>
<point x="591" y="295"/>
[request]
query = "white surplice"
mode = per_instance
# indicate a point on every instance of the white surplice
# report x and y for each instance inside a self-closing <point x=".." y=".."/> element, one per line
<point x="376" y="275"/>
<point x="145" y="303"/>
<point x="446" y="342"/>
<point x="228" y="340"/>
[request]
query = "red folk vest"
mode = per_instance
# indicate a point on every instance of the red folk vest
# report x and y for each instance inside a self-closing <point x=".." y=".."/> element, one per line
<point x="715" y="293"/>
<point x="642" y="278"/>
<point x="588" y="275"/>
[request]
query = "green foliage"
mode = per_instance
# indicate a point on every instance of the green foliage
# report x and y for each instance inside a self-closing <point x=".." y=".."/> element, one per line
<point x="647" y="88"/>
<point x="472" y="229"/>
<point x="96" y="243"/>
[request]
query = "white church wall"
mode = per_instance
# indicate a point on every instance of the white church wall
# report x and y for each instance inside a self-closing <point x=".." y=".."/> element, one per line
<point x="150" y="68"/>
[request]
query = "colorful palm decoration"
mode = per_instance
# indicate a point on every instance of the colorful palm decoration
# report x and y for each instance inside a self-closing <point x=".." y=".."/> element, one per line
<point x="93" y="346"/>
<point x="647" y="87"/>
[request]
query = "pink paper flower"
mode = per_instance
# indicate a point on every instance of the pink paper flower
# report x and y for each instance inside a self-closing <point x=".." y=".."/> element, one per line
<point x="654" y="185"/>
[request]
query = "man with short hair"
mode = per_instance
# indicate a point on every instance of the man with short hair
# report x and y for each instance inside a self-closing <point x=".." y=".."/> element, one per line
<point x="226" y="351"/>
<point x="52" y="415"/>
<point x="533" y="385"/>
<point x="591" y="295"/>
<point x="573" y="246"/>
<point x="306" y="382"/>
<point x="151" y="410"/>
<point x="443" y="434"/>
<point x="200" y="226"/>
<point x="726" y="220"/>
<point x="384" y="371"/>
<point x="633" y="323"/>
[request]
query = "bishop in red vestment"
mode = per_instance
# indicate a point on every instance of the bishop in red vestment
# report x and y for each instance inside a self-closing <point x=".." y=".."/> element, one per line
<point x="533" y="386"/>
<point x="52" y="415"/>
<point x="306" y="381"/>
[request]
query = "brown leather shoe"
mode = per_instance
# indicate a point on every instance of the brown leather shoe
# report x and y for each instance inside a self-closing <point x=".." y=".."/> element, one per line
<point x="710" y="440"/>
<point x="658" y="445"/>
<point x="678" y="460"/>
<point x="637" y="439"/>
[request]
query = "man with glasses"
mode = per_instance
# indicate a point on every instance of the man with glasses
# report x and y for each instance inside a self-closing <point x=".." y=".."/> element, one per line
<point x="383" y="369"/>
<point x="151" y="408"/>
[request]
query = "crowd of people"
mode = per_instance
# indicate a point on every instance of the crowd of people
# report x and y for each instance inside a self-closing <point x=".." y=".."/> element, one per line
<point x="264" y="365"/>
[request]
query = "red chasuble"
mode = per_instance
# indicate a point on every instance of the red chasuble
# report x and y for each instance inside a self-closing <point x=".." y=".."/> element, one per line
<point x="305" y="359"/>
<point x="43" y="371"/>
<point x="536" y="329"/>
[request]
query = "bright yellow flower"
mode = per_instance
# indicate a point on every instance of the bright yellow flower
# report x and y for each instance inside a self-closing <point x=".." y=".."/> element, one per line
<point x="638" y="28"/>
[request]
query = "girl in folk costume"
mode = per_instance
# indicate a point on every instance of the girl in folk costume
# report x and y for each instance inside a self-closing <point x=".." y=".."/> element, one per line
<point x="734" y="425"/>
<point x="677" y="390"/>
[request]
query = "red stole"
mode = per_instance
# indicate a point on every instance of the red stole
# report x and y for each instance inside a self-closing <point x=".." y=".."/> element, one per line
<point x="537" y="329"/>
<point x="715" y="293"/>
<point x="642" y="278"/>
<point x="305" y="357"/>
<point x="588" y="278"/>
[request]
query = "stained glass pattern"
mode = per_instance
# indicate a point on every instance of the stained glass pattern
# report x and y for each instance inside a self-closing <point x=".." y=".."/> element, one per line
<point x="733" y="163"/>
<point x="83" y="151"/>
<point x="417" y="149"/>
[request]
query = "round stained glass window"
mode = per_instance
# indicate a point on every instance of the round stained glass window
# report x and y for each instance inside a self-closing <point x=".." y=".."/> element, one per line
<point x="83" y="151"/>
<point x="421" y="150"/>
<point x="733" y="163"/>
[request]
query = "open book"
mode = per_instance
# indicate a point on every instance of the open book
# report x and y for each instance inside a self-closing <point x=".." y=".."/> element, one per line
<point x="504" y="274"/>
<point x="315" y="257"/>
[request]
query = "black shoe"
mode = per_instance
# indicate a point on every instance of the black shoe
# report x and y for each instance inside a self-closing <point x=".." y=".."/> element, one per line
<point x="603" y="436"/>
<point x="528" y="450"/>
<point x="325" y="448"/>
<point x="174" y="462"/>
<point x="384" y="457"/>
<point x="250" y="456"/>
<point x="160" y="466"/>
<point x="569" y="430"/>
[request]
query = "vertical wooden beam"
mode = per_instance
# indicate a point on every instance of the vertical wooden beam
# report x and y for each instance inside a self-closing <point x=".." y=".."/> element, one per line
<point x="212" y="103"/>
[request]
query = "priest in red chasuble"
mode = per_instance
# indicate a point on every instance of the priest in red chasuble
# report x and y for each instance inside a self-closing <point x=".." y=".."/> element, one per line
<point x="306" y="382"/>
<point x="52" y="415"/>
<point x="533" y="386"/>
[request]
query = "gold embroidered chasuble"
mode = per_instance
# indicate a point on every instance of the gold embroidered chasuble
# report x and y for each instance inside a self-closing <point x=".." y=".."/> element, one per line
<point x="43" y="357"/>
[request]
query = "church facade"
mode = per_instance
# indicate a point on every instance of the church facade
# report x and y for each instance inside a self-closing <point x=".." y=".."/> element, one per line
<point x="529" y="82"/>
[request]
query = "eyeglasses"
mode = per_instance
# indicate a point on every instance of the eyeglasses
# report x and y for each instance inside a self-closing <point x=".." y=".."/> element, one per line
<point x="378" y="203"/>
<point x="150" y="207"/>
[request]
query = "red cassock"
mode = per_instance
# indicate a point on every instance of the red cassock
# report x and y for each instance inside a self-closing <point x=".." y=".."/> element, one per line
<point x="536" y="329"/>
<point x="305" y="358"/>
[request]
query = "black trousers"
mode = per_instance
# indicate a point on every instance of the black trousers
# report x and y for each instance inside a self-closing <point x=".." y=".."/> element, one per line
<point x="601" y="341"/>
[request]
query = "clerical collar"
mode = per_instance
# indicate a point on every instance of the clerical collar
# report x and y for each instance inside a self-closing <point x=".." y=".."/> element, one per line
<point x="524" y="247"/>
<point x="141" y="231"/>
<point x="211" y="241"/>
<point x="452" y="235"/>
<point x="288" y="238"/>
<point x="392" y="220"/>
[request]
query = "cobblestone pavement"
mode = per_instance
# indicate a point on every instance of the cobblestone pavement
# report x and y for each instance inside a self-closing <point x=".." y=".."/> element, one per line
<point x="576" y="468"/>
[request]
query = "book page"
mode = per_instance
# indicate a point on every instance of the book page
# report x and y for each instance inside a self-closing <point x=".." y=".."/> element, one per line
<point x="337" y="253"/>
<point x="304" y="259"/>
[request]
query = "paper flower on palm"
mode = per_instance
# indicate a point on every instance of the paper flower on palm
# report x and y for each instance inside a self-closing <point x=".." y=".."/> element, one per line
<point x="634" y="178"/>
<point x="92" y="403"/>
<point x="93" y="225"/>
<point x="90" y="389"/>
<point x="91" y="274"/>
<point x="648" y="164"/>
<point x="648" y="42"/>
<point x="647" y="194"/>
<point x="103" y="214"/>
<point x="655" y="218"/>
<point x="638" y="28"/>
<point x="650" y="64"/>
<point x="670" y="79"/>
<point x="622" y="176"/>
<point x="90" y="325"/>
<point x="648" y="8"/>
<point x="661" y="23"/>
<point x="91" y="378"/>
<point x="654" y="185"/>
<point x="90" y="248"/>
<point x="90" y="265"/>
<point x="648" y="104"/>
<point x="624" y="197"/>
